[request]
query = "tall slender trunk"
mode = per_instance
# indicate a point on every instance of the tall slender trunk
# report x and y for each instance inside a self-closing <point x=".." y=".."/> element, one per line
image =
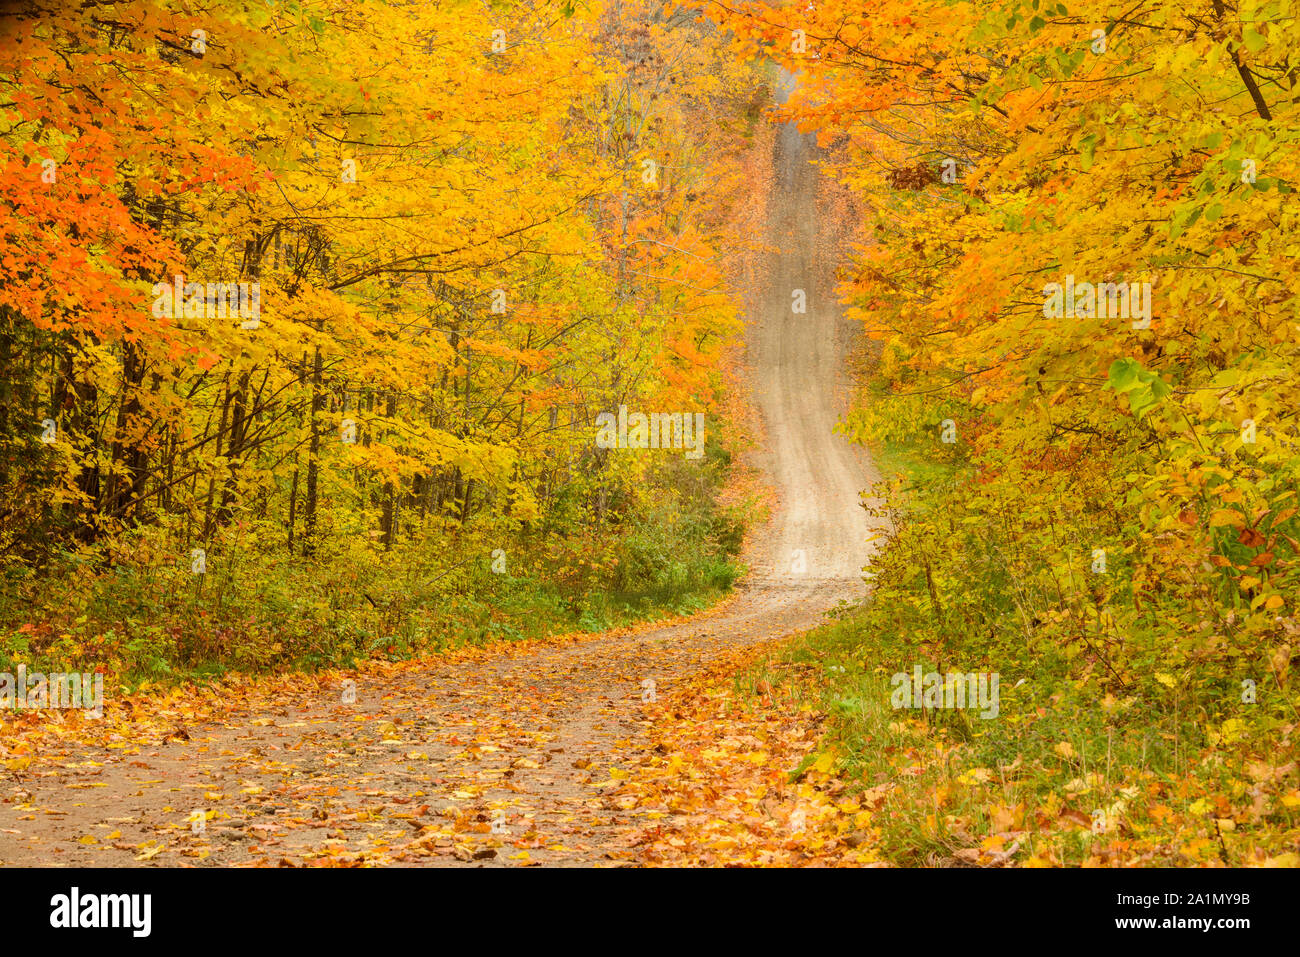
<point x="313" y="456"/>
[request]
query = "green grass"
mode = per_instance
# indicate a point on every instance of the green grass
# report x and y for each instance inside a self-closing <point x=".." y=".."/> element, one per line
<point x="1053" y="750"/>
<point x="139" y="613"/>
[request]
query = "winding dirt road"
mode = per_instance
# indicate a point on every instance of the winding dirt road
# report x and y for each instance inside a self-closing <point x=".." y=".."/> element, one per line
<point x="499" y="757"/>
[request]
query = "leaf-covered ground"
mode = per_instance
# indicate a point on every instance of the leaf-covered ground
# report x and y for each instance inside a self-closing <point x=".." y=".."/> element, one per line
<point x="553" y="752"/>
<point x="734" y="780"/>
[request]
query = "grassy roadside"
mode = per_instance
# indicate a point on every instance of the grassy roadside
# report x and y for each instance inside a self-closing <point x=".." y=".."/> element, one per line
<point x="142" y="616"/>
<point x="1057" y="778"/>
<point x="1139" y="741"/>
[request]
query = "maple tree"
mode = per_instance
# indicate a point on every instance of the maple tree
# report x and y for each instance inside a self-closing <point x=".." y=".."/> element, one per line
<point x="462" y="233"/>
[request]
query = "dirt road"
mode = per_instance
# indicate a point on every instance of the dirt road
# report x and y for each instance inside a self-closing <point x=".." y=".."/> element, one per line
<point x="502" y="758"/>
